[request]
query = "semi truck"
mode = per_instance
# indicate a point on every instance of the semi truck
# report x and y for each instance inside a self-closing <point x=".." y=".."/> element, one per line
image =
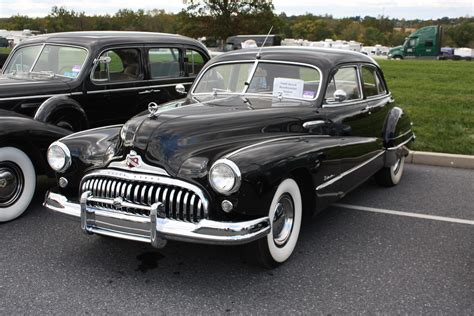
<point x="426" y="43"/>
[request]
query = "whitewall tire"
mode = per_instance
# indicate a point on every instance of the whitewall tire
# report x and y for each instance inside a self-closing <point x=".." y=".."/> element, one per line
<point x="17" y="183"/>
<point x="391" y="176"/>
<point x="285" y="215"/>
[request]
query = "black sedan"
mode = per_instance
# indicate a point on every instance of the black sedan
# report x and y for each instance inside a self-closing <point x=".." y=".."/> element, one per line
<point x="76" y="81"/>
<point x="264" y="139"/>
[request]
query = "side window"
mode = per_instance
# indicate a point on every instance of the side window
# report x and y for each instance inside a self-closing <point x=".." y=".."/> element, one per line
<point x="429" y="43"/>
<point x="164" y="63"/>
<point x="193" y="62"/>
<point x="344" y="79"/>
<point x="124" y="66"/>
<point x="372" y="84"/>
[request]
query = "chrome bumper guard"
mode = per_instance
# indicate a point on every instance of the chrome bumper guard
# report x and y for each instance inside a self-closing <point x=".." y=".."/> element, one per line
<point x="155" y="229"/>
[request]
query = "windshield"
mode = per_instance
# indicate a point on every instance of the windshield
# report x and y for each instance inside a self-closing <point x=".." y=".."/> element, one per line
<point x="48" y="60"/>
<point x="280" y="80"/>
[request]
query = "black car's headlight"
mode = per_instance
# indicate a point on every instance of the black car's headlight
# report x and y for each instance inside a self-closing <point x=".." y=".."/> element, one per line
<point x="59" y="157"/>
<point x="225" y="176"/>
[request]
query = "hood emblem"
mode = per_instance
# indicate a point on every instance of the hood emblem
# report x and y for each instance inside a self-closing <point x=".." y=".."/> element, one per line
<point x="118" y="202"/>
<point x="153" y="109"/>
<point x="133" y="160"/>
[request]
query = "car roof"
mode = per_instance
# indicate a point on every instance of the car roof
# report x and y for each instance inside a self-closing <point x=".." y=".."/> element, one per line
<point x="105" y="38"/>
<point x="323" y="58"/>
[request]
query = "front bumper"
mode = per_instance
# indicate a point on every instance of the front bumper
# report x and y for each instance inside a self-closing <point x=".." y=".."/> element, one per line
<point x="156" y="229"/>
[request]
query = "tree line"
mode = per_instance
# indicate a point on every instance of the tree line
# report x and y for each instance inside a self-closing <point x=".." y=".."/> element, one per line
<point x="217" y="19"/>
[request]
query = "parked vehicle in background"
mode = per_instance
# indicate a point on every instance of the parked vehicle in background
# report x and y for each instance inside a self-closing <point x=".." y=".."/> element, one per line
<point x="262" y="137"/>
<point x="426" y="43"/>
<point x="74" y="81"/>
<point x="235" y="42"/>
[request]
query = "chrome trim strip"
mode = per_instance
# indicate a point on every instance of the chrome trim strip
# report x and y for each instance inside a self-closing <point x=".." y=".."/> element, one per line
<point x="342" y="175"/>
<point x="137" y="88"/>
<point x="149" y="228"/>
<point x="34" y="97"/>
<point x="227" y="156"/>
<point x="402" y="144"/>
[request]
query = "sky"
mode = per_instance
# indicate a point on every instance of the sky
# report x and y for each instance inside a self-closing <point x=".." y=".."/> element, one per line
<point x="408" y="9"/>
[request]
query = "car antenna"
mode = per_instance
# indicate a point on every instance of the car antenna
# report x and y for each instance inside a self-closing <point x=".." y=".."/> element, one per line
<point x="264" y="41"/>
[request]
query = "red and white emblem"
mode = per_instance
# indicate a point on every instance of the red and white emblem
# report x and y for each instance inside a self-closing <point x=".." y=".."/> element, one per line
<point x="133" y="160"/>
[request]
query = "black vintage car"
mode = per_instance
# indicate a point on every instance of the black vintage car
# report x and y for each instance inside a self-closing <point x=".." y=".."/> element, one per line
<point x="262" y="139"/>
<point x="79" y="80"/>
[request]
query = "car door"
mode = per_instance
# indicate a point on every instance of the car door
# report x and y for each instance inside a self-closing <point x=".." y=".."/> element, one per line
<point x="168" y="66"/>
<point x="113" y="89"/>
<point x="349" y="118"/>
<point x="377" y="97"/>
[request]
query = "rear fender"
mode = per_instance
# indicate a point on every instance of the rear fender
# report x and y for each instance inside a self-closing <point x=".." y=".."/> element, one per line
<point x="397" y="135"/>
<point x="55" y="104"/>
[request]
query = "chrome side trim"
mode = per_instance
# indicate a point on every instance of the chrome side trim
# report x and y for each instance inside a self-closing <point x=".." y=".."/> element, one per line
<point x="342" y="175"/>
<point x="123" y="175"/>
<point x="402" y="144"/>
<point x="136" y="88"/>
<point x="34" y="97"/>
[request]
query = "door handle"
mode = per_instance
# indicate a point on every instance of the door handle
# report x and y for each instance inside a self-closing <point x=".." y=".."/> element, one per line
<point x="313" y="124"/>
<point x="148" y="91"/>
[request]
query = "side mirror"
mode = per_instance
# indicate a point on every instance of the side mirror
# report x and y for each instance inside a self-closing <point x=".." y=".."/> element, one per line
<point x="104" y="60"/>
<point x="101" y="60"/>
<point x="340" y="95"/>
<point x="180" y="88"/>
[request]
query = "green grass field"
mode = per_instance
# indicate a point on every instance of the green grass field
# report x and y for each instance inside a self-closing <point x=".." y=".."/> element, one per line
<point x="439" y="98"/>
<point x="5" y="50"/>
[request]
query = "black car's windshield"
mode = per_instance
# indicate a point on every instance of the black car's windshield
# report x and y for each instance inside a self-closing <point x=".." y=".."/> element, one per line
<point x="276" y="79"/>
<point x="46" y="61"/>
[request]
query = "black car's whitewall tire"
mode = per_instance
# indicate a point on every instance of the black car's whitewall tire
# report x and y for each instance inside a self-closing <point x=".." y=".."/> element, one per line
<point x="17" y="183"/>
<point x="285" y="216"/>
<point x="391" y="176"/>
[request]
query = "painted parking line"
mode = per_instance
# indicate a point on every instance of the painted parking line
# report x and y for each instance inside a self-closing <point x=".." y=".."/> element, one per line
<point x="407" y="214"/>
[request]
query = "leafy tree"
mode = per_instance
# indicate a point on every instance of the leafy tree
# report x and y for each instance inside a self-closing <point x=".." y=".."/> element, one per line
<point x="223" y="18"/>
<point x="462" y="34"/>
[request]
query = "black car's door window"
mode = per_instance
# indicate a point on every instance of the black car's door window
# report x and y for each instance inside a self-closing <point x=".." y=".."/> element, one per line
<point x="193" y="62"/>
<point x="124" y="65"/>
<point x="344" y="79"/>
<point x="165" y="63"/>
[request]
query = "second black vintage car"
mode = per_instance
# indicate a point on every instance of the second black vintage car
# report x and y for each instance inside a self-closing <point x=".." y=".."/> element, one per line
<point x="262" y="139"/>
<point x="79" y="80"/>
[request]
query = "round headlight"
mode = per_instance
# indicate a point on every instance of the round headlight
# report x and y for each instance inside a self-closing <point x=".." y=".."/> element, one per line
<point x="59" y="157"/>
<point x="224" y="176"/>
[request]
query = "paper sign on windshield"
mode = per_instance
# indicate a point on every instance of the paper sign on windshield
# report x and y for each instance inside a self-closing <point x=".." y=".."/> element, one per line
<point x="288" y="87"/>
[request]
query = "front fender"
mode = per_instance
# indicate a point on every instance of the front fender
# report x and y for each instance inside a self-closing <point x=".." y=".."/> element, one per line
<point x="30" y="136"/>
<point x="264" y="166"/>
<point x="89" y="149"/>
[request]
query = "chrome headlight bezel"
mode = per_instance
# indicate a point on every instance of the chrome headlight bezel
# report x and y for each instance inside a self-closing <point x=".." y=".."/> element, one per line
<point x="65" y="155"/>
<point x="236" y="175"/>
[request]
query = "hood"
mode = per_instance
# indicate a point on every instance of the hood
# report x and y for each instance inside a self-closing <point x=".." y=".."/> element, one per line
<point x="396" y="48"/>
<point x="211" y="128"/>
<point x="25" y="86"/>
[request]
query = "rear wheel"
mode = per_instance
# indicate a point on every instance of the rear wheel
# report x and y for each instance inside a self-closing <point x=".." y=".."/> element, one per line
<point x="17" y="183"/>
<point x="285" y="216"/>
<point x="391" y="176"/>
<point x="67" y="120"/>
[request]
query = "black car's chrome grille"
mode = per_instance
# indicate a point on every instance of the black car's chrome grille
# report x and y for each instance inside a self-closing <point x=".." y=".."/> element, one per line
<point x="181" y="202"/>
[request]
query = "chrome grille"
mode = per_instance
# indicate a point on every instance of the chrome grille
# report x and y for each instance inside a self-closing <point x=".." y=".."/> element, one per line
<point x="181" y="202"/>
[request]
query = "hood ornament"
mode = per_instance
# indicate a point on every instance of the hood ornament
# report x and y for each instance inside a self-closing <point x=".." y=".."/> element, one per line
<point x="153" y="109"/>
<point x="133" y="160"/>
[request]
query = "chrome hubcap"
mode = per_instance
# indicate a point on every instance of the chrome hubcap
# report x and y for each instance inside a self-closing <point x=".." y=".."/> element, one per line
<point x="11" y="183"/>
<point x="283" y="220"/>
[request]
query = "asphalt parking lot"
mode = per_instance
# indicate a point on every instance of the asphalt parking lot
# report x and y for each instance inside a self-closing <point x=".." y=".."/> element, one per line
<point x="359" y="256"/>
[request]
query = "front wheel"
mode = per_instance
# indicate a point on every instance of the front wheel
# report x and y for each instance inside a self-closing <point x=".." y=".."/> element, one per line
<point x="391" y="176"/>
<point x="285" y="216"/>
<point x="17" y="183"/>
